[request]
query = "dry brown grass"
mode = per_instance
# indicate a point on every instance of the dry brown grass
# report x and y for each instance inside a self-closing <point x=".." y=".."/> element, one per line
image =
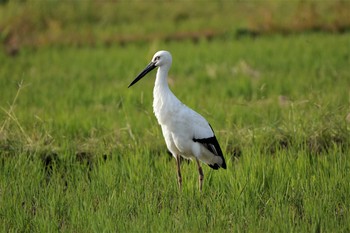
<point x="90" y="23"/>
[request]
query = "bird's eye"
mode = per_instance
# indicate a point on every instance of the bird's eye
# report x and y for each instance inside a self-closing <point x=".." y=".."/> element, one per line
<point x="157" y="58"/>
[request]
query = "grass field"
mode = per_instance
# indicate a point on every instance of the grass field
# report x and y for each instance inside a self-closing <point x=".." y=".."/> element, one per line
<point x="80" y="152"/>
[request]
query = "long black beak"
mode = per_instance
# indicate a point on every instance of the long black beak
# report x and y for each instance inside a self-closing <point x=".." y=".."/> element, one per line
<point x="148" y="68"/>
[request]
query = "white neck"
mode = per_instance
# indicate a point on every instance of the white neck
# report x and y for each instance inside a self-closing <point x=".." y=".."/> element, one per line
<point x="164" y="100"/>
<point x="161" y="78"/>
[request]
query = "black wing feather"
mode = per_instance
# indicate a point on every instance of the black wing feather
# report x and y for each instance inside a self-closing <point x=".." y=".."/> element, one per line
<point x="213" y="146"/>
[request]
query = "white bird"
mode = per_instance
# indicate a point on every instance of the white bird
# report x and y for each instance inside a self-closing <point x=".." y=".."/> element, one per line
<point x="186" y="132"/>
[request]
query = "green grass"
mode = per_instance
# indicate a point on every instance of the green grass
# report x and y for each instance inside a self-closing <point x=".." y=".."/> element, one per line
<point x="80" y="152"/>
<point x="262" y="193"/>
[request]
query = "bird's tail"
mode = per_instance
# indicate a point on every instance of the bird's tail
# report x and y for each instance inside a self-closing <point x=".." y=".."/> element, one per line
<point x="220" y="164"/>
<point x="211" y="153"/>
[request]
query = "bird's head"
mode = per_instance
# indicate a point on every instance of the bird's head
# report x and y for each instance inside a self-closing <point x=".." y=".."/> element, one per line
<point x="160" y="59"/>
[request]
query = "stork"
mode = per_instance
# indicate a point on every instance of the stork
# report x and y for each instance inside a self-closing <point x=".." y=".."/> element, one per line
<point x="187" y="134"/>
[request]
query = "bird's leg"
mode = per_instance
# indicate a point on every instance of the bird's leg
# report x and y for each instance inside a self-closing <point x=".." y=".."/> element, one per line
<point x="179" y="178"/>
<point x="201" y="175"/>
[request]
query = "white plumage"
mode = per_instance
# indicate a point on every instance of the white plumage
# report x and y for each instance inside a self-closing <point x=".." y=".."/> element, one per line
<point x="186" y="132"/>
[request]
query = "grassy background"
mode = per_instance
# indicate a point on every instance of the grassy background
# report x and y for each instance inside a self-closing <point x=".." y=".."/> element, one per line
<point x="39" y="23"/>
<point x="81" y="152"/>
